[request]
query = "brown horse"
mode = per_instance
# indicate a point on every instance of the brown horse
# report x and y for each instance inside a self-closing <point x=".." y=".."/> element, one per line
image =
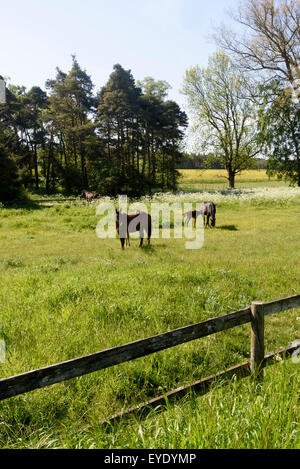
<point x="89" y="196"/>
<point x="192" y="214"/>
<point x="208" y="210"/>
<point x="139" y="221"/>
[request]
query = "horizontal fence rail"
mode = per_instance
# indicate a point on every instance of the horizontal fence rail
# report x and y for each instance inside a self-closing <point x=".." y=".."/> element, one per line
<point x="201" y="386"/>
<point x="52" y="374"/>
<point x="97" y="361"/>
<point x="274" y="307"/>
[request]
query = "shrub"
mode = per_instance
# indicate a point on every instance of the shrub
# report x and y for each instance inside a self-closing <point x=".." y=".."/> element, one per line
<point x="11" y="187"/>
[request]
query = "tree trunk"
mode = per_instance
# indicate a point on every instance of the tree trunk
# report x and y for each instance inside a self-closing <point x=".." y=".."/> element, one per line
<point x="144" y="154"/>
<point x="62" y="142"/>
<point x="74" y="151"/>
<point x="50" y="157"/>
<point x="83" y="166"/>
<point x="163" y="172"/>
<point x="231" y="176"/>
<point x="153" y="157"/>
<point x="36" y="171"/>
<point x="173" y="169"/>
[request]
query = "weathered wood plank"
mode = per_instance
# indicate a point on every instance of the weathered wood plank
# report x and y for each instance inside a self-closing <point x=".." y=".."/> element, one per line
<point x="47" y="376"/>
<point x="278" y="306"/>
<point x="257" y="339"/>
<point x="201" y="386"/>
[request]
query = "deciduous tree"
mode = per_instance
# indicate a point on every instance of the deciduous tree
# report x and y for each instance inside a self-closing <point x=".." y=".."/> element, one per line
<point x="279" y="132"/>
<point x="269" y="40"/>
<point x="218" y="97"/>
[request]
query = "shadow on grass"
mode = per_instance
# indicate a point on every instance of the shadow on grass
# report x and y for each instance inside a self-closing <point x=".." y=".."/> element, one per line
<point x="147" y="248"/>
<point x="227" y="227"/>
<point x="222" y="191"/>
<point x="24" y="205"/>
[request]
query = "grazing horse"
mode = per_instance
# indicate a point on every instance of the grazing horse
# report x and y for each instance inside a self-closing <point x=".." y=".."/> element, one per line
<point x="192" y="214"/>
<point x="208" y="210"/>
<point x="89" y="196"/>
<point x="139" y="221"/>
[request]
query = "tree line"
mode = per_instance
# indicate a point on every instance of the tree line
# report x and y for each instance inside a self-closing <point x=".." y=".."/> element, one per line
<point x="244" y="107"/>
<point x="246" y="103"/>
<point x="125" y="139"/>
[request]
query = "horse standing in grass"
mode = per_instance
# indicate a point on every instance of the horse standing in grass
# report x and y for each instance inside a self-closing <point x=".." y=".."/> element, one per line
<point x="192" y="214"/>
<point x="89" y="196"/>
<point x="139" y="221"/>
<point x="208" y="210"/>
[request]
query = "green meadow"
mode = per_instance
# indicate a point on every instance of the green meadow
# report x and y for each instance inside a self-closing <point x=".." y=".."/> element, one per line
<point x="65" y="293"/>
<point x="215" y="179"/>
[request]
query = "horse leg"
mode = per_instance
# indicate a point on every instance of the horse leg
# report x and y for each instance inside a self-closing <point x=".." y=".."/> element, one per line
<point x="122" y="242"/>
<point x="127" y="239"/>
<point x="142" y="238"/>
<point x="149" y="229"/>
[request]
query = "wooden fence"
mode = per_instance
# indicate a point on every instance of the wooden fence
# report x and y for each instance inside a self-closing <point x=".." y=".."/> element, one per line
<point x="254" y="314"/>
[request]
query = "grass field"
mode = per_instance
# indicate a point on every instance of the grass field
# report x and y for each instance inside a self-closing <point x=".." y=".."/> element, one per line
<point x="65" y="293"/>
<point x="215" y="179"/>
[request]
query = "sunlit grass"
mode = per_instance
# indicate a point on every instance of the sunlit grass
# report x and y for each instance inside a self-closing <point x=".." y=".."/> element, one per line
<point x="65" y="293"/>
<point x="214" y="174"/>
<point x="210" y="179"/>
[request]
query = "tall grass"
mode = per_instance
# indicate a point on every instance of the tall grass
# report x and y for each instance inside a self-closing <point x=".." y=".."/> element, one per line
<point x="215" y="179"/>
<point x="237" y="414"/>
<point x="66" y="293"/>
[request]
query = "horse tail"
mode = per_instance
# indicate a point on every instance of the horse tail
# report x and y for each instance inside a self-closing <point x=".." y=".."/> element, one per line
<point x="149" y="227"/>
<point x="213" y="214"/>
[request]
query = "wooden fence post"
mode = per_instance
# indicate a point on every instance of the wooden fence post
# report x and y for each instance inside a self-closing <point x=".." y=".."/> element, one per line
<point x="257" y="339"/>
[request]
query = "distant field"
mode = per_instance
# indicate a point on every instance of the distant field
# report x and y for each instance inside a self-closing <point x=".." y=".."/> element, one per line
<point x="215" y="179"/>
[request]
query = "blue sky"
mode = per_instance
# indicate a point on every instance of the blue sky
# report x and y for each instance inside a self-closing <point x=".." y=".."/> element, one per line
<point x="158" y="38"/>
